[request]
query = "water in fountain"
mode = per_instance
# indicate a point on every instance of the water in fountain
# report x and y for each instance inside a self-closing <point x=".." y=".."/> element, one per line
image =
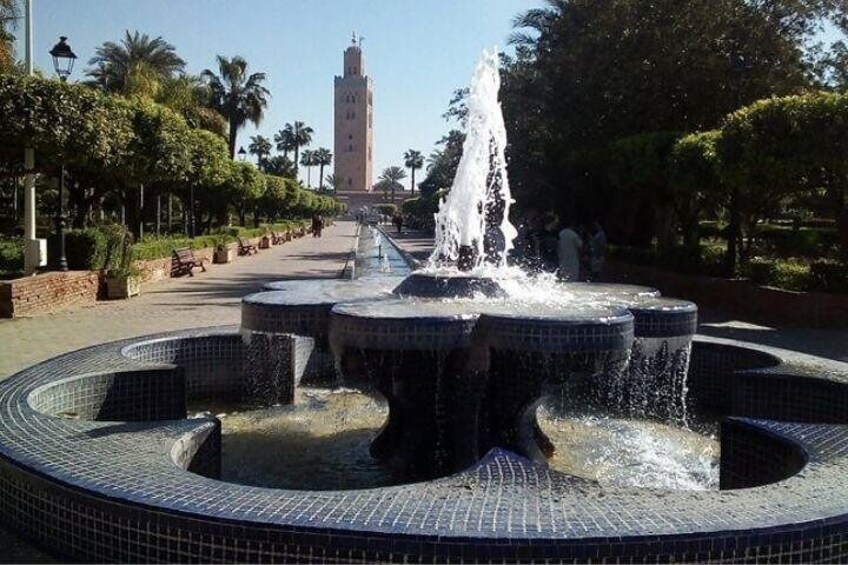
<point x="475" y="213"/>
<point x="612" y="434"/>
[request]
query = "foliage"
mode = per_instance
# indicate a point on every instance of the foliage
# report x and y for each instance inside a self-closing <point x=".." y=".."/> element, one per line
<point x="389" y="179"/>
<point x="261" y="147"/>
<point x="790" y="275"/>
<point x="780" y="147"/>
<point x="237" y="96"/>
<point x="138" y="65"/>
<point x="11" y="256"/>
<point x="694" y="182"/>
<point x="281" y="166"/>
<point x="291" y="138"/>
<point x="828" y="276"/>
<point x="85" y="249"/>
<point x="9" y="15"/>
<point x="442" y="163"/>
<point x="413" y="160"/>
<point x="706" y="259"/>
<point x="386" y="209"/>
<point x="637" y="166"/>
<point x="323" y="158"/>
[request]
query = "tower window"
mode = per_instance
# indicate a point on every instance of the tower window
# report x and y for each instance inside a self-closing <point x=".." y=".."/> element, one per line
<point x="349" y="181"/>
<point x="350" y="136"/>
<point x="350" y="147"/>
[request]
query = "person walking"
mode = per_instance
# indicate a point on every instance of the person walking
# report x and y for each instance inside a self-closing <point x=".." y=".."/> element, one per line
<point x="568" y="254"/>
<point x="597" y="251"/>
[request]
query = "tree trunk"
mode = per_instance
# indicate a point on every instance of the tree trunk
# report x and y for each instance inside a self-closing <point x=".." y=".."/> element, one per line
<point x="412" y="184"/>
<point x="232" y="138"/>
<point x="321" y="175"/>
<point x="731" y="258"/>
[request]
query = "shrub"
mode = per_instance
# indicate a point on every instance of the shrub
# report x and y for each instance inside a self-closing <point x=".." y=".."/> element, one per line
<point x="386" y="209"/>
<point x="11" y="256"/>
<point x="828" y="276"/>
<point x="85" y="250"/>
<point x="790" y="275"/>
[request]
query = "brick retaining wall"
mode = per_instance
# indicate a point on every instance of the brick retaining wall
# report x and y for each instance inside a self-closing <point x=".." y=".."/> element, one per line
<point x="742" y="297"/>
<point x="47" y="292"/>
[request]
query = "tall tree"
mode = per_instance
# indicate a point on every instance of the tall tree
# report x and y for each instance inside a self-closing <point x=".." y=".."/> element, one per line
<point x="135" y="65"/>
<point x="9" y="14"/>
<point x="261" y="147"/>
<point x="323" y="158"/>
<point x="413" y="160"/>
<point x="238" y="96"/>
<point x="391" y="177"/>
<point x="285" y="140"/>
<point x="570" y="91"/>
<point x="299" y="135"/>
<point x="335" y="181"/>
<point x="307" y="159"/>
<point x="443" y="163"/>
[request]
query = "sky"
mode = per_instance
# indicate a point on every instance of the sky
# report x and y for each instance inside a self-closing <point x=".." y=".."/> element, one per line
<point x="417" y="52"/>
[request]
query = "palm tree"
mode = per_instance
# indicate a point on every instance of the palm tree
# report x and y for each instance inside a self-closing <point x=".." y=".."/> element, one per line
<point x="261" y="147"/>
<point x="300" y="135"/>
<point x="285" y="140"/>
<point x="136" y="65"/>
<point x="391" y="177"/>
<point x="323" y="158"/>
<point x="413" y="160"/>
<point x="336" y="181"/>
<point x="239" y="97"/>
<point x="307" y="159"/>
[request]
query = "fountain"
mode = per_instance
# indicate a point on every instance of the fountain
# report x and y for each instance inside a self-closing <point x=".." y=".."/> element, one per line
<point x="493" y="390"/>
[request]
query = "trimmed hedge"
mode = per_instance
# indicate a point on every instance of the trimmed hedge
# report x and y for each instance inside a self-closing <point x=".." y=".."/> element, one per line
<point x="11" y="257"/>
<point x="707" y="259"/>
<point x="789" y="275"/>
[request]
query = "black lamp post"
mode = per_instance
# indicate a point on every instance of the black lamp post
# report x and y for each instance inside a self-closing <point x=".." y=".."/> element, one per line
<point x="63" y="62"/>
<point x="63" y="58"/>
<point x="242" y="153"/>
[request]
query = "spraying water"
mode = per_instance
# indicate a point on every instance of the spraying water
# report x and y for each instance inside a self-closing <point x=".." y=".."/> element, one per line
<point x="474" y="217"/>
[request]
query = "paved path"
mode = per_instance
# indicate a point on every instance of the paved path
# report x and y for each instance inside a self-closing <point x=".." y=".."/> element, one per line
<point x="207" y="299"/>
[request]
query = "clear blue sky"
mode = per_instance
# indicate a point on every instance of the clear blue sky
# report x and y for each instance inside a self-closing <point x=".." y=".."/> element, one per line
<point x="417" y="52"/>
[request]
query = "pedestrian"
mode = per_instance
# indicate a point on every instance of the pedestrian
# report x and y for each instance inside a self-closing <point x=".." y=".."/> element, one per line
<point x="597" y="251"/>
<point x="320" y="225"/>
<point x="398" y="222"/>
<point x="569" y="245"/>
<point x="316" y="229"/>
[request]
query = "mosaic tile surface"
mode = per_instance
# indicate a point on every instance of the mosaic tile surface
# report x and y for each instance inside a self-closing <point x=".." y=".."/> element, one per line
<point x="100" y="490"/>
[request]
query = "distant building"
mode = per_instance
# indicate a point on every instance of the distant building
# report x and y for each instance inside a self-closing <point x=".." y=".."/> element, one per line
<point x="354" y="122"/>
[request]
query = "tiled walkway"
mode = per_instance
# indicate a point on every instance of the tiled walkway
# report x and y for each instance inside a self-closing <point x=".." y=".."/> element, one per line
<point x="207" y="299"/>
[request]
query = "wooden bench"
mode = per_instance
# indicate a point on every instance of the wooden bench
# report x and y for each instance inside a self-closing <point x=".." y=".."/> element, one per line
<point x="184" y="261"/>
<point x="245" y="247"/>
<point x="278" y="238"/>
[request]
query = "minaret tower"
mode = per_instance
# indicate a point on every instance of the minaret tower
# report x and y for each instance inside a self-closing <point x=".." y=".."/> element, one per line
<point x="354" y="130"/>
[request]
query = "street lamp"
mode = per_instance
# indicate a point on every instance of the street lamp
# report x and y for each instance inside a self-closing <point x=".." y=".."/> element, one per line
<point x="242" y="153"/>
<point x="63" y="62"/>
<point x="63" y="58"/>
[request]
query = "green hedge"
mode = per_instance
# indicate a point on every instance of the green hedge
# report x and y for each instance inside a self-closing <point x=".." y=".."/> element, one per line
<point x="707" y="259"/>
<point x="789" y="275"/>
<point x="160" y="247"/>
<point x="11" y="257"/>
